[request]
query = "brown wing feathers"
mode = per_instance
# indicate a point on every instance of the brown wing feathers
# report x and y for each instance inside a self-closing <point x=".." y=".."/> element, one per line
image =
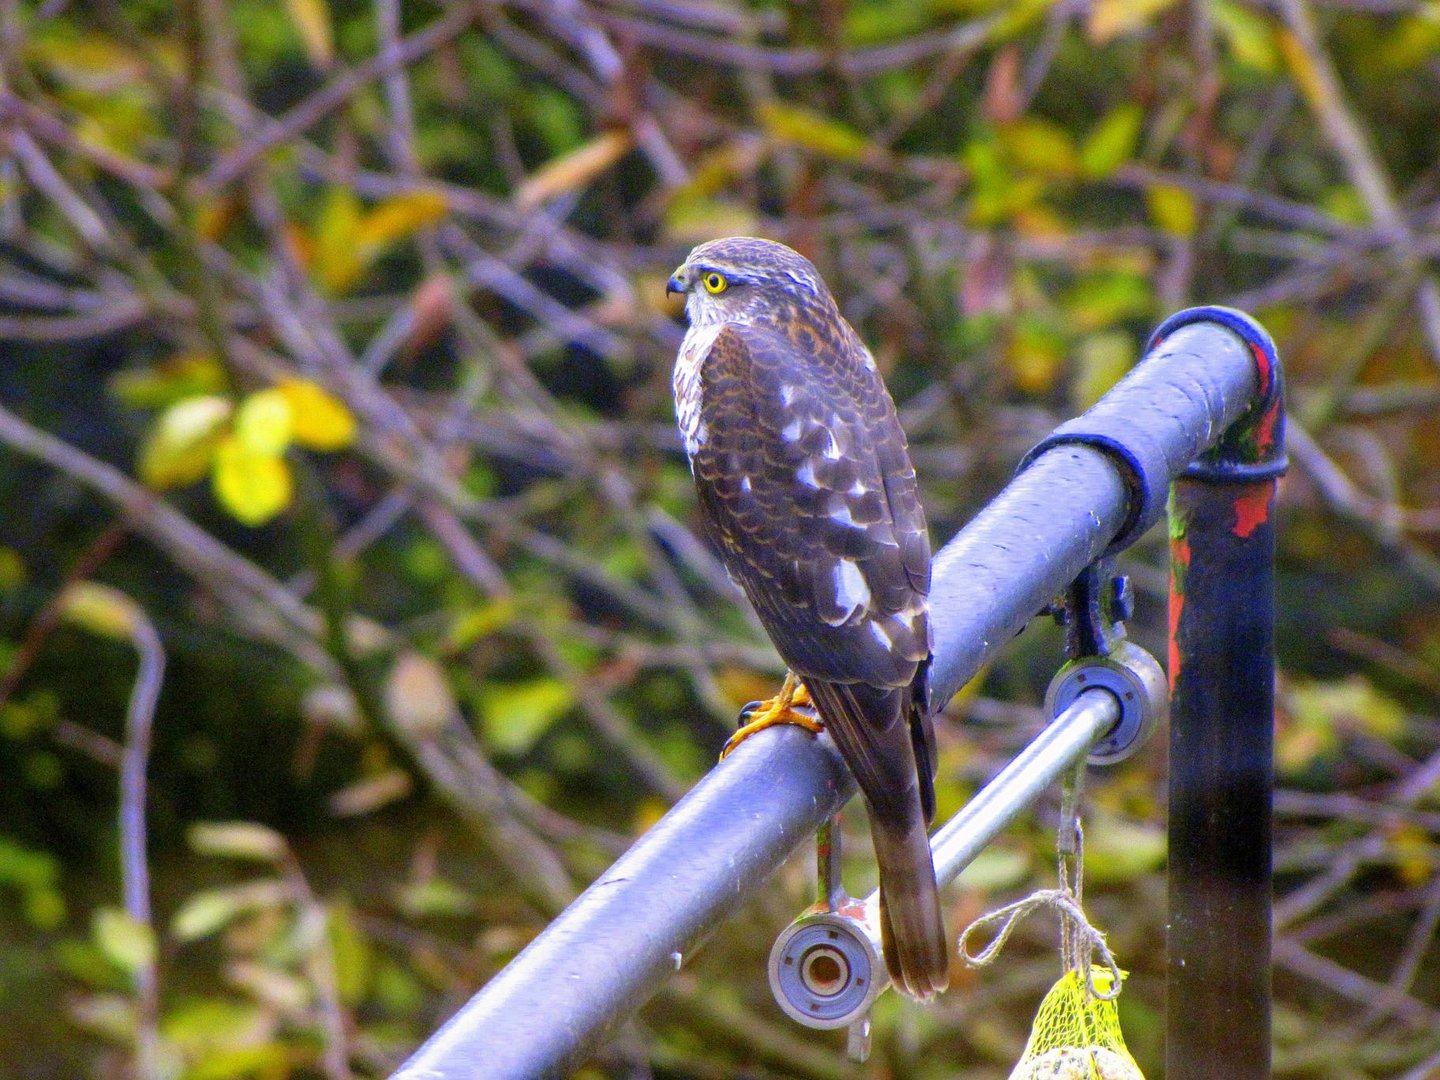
<point x="808" y="491"/>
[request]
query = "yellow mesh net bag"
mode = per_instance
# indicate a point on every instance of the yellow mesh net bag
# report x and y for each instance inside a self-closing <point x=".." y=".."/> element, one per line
<point x="1076" y="1036"/>
<point x="1076" y="1032"/>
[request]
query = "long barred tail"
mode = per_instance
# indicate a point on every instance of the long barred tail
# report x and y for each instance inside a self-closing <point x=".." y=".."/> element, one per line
<point x="873" y="727"/>
<point x="912" y="929"/>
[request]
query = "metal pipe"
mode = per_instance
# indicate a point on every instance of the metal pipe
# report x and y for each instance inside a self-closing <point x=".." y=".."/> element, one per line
<point x="1077" y="492"/>
<point x="844" y="934"/>
<point x="1056" y="749"/>
<point x="1222" y="677"/>
<point x="630" y="930"/>
<point x="603" y="957"/>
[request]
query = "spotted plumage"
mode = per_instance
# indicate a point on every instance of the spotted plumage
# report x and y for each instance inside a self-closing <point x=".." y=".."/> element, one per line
<point x="806" y="488"/>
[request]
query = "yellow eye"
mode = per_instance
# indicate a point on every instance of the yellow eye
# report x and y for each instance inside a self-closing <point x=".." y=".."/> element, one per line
<point x="715" y="283"/>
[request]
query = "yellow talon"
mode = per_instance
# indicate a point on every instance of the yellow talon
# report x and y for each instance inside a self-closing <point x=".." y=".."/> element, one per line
<point x="781" y="709"/>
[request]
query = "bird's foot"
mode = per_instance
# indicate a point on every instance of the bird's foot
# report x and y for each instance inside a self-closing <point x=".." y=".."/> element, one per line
<point x="783" y="708"/>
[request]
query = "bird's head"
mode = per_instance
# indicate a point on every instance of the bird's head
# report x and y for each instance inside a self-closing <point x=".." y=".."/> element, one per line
<point x="739" y="277"/>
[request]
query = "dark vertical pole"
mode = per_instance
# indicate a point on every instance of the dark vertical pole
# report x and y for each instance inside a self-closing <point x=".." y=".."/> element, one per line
<point x="1222" y="671"/>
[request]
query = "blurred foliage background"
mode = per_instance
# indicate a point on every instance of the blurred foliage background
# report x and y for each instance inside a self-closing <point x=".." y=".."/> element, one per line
<point x="335" y="394"/>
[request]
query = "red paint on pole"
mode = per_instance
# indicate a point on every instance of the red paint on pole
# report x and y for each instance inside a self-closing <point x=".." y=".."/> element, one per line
<point x="1252" y="508"/>
<point x="1265" y="426"/>
<point x="1262" y="361"/>
<point x="1179" y="563"/>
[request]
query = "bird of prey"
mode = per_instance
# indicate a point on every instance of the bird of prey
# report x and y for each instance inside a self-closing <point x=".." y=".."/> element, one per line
<point x="806" y="488"/>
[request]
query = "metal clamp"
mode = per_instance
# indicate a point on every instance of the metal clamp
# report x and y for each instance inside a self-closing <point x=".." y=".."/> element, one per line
<point x="1102" y="657"/>
<point x="1138" y="683"/>
<point x="827" y="967"/>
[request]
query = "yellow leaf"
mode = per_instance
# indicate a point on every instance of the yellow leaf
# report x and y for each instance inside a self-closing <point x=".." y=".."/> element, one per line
<point x="320" y="420"/>
<point x="337" y="259"/>
<point x="1249" y="35"/>
<point x="1413" y="854"/>
<point x="648" y="813"/>
<point x="1039" y="146"/>
<point x="264" y="422"/>
<point x="1110" y="19"/>
<point x="312" y="20"/>
<point x="181" y="447"/>
<point x="693" y="219"/>
<point x="252" y="487"/>
<point x="100" y="609"/>
<point x="1035" y="357"/>
<point x="396" y="218"/>
<point x="812" y="130"/>
<point x="1304" y="71"/>
<point x="1172" y="209"/>
<point x="573" y="170"/>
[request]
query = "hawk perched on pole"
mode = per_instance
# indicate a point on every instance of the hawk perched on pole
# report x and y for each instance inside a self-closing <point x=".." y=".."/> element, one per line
<point x="807" y="489"/>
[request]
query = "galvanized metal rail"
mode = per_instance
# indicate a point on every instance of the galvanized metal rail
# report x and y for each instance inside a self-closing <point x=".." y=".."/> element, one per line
<point x="1094" y="486"/>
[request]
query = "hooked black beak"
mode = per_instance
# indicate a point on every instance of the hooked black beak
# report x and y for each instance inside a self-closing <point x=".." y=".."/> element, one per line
<point x="674" y="285"/>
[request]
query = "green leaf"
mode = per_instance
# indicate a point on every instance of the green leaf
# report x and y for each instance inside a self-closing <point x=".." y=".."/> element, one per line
<point x="996" y="869"/>
<point x="1413" y="41"/>
<point x="1249" y="35"/>
<point x="1035" y="356"/>
<point x="555" y="116"/>
<point x="694" y="218"/>
<point x="211" y="910"/>
<point x="353" y="961"/>
<point x="1099" y="301"/>
<point x="515" y="715"/>
<point x="434" y="897"/>
<point x="1101" y="361"/>
<point x="1121" y="849"/>
<point x="1111" y="143"/>
<point x="337" y="260"/>
<point x="126" y="943"/>
<point x="202" y="1026"/>
<point x="480" y="622"/>
<point x="36" y="874"/>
